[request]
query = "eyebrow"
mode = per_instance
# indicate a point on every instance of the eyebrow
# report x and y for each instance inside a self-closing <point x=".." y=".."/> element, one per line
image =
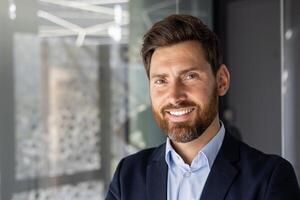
<point x="189" y="69"/>
<point x="163" y="75"/>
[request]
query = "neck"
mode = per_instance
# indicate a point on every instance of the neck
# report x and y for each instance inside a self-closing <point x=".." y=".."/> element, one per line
<point x="189" y="150"/>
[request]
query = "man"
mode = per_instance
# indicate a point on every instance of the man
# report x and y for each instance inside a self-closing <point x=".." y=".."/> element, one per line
<point x="200" y="160"/>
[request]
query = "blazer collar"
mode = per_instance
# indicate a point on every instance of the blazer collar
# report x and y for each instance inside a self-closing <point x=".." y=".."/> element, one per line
<point x="157" y="173"/>
<point x="223" y="170"/>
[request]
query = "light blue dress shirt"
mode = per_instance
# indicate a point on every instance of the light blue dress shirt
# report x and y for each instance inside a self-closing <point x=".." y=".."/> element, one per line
<point x="187" y="181"/>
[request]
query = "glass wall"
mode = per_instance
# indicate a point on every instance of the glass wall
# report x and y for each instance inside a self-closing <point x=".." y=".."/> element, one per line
<point x="74" y="94"/>
<point x="290" y="82"/>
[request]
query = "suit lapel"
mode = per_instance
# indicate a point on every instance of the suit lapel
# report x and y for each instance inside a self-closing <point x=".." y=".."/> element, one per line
<point x="223" y="170"/>
<point x="156" y="181"/>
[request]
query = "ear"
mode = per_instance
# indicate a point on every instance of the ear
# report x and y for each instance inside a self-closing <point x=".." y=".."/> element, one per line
<point x="223" y="80"/>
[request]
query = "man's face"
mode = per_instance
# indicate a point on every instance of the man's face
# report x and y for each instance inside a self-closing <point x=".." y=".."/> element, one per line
<point x="183" y="91"/>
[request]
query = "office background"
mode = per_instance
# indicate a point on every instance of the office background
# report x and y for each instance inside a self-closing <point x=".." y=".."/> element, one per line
<point x="74" y="94"/>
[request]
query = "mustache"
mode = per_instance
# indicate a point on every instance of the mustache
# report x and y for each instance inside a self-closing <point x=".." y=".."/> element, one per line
<point x="181" y="104"/>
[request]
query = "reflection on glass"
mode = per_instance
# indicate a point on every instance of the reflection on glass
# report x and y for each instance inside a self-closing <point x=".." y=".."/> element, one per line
<point x="90" y="190"/>
<point x="290" y="83"/>
<point x="12" y="10"/>
<point x="57" y="112"/>
<point x="81" y="93"/>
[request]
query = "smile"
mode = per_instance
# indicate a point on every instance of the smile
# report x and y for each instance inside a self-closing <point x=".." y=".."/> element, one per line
<point x="180" y="112"/>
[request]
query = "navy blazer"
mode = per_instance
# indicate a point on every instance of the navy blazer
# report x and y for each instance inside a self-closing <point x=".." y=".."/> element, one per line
<point x="238" y="173"/>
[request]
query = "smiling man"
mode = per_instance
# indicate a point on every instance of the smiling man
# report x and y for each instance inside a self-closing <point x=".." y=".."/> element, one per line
<point x="200" y="160"/>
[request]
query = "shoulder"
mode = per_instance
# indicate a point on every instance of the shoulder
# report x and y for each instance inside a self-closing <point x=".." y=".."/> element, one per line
<point x="251" y="160"/>
<point x="266" y="175"/>
<point x="257" y="157"/>
<point x="273" y="173"/>
<point x="271" y="167"/>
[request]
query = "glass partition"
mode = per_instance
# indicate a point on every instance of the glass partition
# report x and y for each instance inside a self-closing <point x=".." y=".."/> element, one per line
<point x="74" y="92"/>
<point x="290" y="82"/>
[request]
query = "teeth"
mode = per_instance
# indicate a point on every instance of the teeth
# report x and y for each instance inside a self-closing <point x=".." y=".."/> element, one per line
<point x="180" y="112"/>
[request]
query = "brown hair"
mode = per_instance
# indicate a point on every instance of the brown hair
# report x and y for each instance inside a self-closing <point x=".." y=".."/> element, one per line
<point x="179" y="28"/>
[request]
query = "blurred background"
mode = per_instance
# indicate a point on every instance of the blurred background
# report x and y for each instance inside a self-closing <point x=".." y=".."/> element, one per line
<point x="74" y="94"/>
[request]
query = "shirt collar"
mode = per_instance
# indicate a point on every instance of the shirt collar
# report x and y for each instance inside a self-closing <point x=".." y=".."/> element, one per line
<point x="210" y="150"/>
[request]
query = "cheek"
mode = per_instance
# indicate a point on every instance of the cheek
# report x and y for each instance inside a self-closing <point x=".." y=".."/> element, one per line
<point x="200" y="95"/>
<point x="157" y="99"/>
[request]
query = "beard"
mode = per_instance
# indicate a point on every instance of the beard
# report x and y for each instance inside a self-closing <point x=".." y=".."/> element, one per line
<point x="183" y="132"/>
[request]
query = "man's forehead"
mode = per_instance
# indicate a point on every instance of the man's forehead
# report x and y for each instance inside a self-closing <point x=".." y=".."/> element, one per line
<point x="178" y="58"/>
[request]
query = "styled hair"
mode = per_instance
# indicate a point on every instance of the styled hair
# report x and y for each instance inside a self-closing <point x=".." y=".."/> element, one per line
<point x="179" y="28"/>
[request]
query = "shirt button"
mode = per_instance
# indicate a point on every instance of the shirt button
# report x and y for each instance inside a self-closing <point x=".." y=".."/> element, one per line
<point x="187" y="174"/>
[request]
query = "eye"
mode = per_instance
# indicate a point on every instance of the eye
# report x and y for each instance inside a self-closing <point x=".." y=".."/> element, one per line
<point x="160" y="81"/>
<point x="191" y="76"/>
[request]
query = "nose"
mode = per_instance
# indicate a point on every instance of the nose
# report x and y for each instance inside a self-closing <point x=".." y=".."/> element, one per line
<point x="177" y="93"/>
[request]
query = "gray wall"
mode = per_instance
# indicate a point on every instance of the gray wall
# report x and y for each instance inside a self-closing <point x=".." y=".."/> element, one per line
<point x="253" y="57"/>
